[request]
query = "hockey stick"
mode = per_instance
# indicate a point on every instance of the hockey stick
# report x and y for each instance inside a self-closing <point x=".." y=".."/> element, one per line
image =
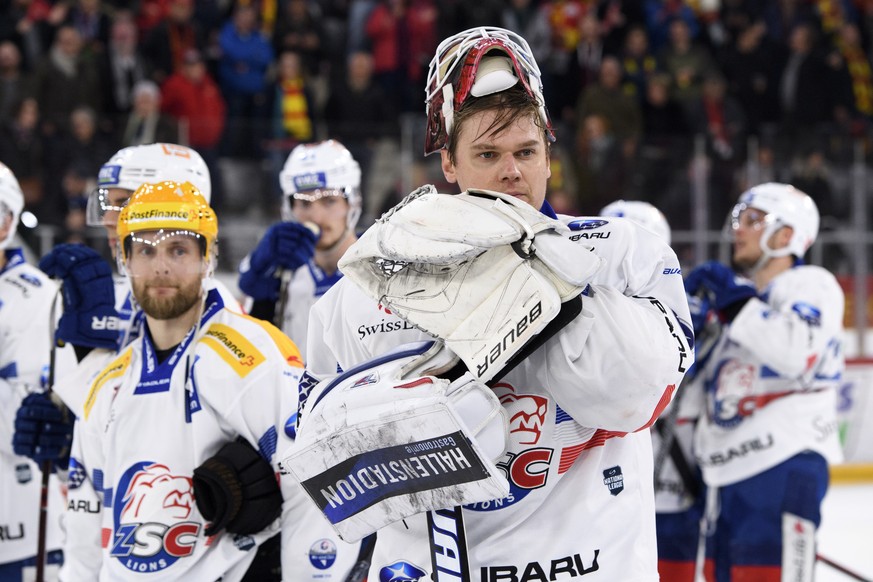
<point x="842" y="569"/>
<point x="47" y="464"/>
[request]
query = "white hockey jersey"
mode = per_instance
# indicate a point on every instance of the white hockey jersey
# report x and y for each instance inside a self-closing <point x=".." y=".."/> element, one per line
<point x="581" y="497"/>
<point x="146" y="426"/>
<point x="72" y="388"/>
<point x="26" y="296"/>
<point x="308" y="283"/>
<point x="771" y="383"/>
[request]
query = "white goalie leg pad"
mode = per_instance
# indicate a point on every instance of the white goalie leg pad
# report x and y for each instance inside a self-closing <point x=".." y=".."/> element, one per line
<point x="376" y="447"/>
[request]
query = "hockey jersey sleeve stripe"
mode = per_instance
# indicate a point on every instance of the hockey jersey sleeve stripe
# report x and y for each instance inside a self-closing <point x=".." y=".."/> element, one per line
<point x="113" y="370"/>
<point x="233" y="348"/>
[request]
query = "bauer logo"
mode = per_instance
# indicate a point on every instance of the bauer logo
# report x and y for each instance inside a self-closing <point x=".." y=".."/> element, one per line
<point x="614" y="480"/>
<point x="587" y="224"/>
<point x="310" y="181"/>
<point x="151" y="527"/>
<point x="322" y="554"/>
<point x="108" y="175"/>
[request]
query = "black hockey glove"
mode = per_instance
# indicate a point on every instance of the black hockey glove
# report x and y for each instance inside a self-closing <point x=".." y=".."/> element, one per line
<point x="237" y="490"/>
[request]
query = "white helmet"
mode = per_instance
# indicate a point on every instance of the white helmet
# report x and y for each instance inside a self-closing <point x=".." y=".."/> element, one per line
<point x="642" y="213"/>
<point x="134" y="166"/>
<point x="785" y="205"/>
<point x="459" y="70"/>
<point x="326" y="168"/>
<point x="12" y="199"/>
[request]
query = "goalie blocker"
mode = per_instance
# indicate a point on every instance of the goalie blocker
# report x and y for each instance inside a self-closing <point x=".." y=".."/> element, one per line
<point x="399" y="442"/>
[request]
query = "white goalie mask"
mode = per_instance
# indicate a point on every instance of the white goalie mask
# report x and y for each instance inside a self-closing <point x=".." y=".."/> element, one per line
<point x="313" y="171"/>
<point x="134" y="166"/>
<point x="784" y="205"/>
<point x="478" y="62"/>
<point x="11" y="202"/>
<point x="643" y="213"/>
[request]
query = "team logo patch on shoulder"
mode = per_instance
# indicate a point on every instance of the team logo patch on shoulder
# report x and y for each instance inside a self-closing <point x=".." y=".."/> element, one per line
<point x="366" y="380"/>
<point x="808" y="313"/>
<point x="614" y="480"/>
<point x="233" y="348"/>
<point x="588" y="224"/>
<point x="110" y="372"/>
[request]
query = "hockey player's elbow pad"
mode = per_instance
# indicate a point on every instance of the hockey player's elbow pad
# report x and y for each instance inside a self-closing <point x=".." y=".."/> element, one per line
<point x="236" y="489"/>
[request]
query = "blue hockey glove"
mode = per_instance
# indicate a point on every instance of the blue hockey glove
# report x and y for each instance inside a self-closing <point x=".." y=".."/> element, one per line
<point x="285" y="245"/>
<point x="43" y="430"/>
<point x="89" y="318"/>
<point x="723" y="289"/>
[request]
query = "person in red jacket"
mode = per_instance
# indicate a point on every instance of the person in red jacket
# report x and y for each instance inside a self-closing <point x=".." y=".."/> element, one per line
<point x="192" y="96"/>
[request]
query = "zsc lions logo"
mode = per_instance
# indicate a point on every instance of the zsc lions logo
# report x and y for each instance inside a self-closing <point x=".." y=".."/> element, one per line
<point x="150" y="518"/>
<point x="588" y="224"/>
<point x="402" y="572"/>
<point x="322" y="554"/>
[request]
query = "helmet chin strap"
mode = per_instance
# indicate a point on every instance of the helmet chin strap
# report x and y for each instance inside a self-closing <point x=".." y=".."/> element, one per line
<point x="767" y="252"/>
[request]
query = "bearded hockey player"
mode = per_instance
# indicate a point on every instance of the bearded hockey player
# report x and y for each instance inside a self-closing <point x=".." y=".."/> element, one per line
<point x="171" y="472"/>
<point x="770" y="429"/>
<point x="294" y="264"/>
<point x="27" y="319"/>
<point x="546" y="347"/>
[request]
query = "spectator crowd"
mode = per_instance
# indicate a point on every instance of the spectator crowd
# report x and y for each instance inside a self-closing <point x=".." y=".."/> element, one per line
<point x="628" y="82"/>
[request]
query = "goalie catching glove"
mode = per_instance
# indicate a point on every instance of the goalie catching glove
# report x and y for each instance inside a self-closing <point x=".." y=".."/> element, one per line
<point x="236" y="489"/>
<point x="480" y="270"/>
<point x="389" y="439"/>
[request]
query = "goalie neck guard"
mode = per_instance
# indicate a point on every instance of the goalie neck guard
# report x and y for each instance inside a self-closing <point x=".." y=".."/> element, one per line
<point x="464" y="65"/>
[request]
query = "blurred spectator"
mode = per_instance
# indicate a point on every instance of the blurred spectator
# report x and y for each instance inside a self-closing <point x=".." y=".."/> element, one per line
<point x="599" y="165"/>
<point x="83" y="147"/>
<point x="167" y="43"/>
<point x="246" y="54"/>
<point x="620" y="111"/>
<point x="617" y="18"/>
<point x="666" y="143"/>
<point x="737" y="16"/>
<point x="721" y="120"/>
<point x="527" y="19"/>
<point x="856" y="72"/>
<point x="638" y="63"/>
<point x="292" y="117"/>
<point x="783" y="16"/>
<point x="93" y="22"/>
<point x="811" y="174"/>
<point x="804" y="89"/>
<point x="192" y="96"/>
<point x="583" y="69"/>
<point x="66" y="79"/>
<point x="13" y="81"/>
<point x="458" y="15"/>
<point x="30" y="24"/>
<point x="686" y="61"/>
<point x="78" y="183"/>
<point x="121" y="67"/>
<point x="21" y="148"/>
<point x="660" y="16"/>
<point x="357" y="112"/>
<point x="299" y="29"/>
<point x="402" y="34"/>
<point x="146" y="124"/>
<point x="753" y="67"/>
<point x="565" y="24"/>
